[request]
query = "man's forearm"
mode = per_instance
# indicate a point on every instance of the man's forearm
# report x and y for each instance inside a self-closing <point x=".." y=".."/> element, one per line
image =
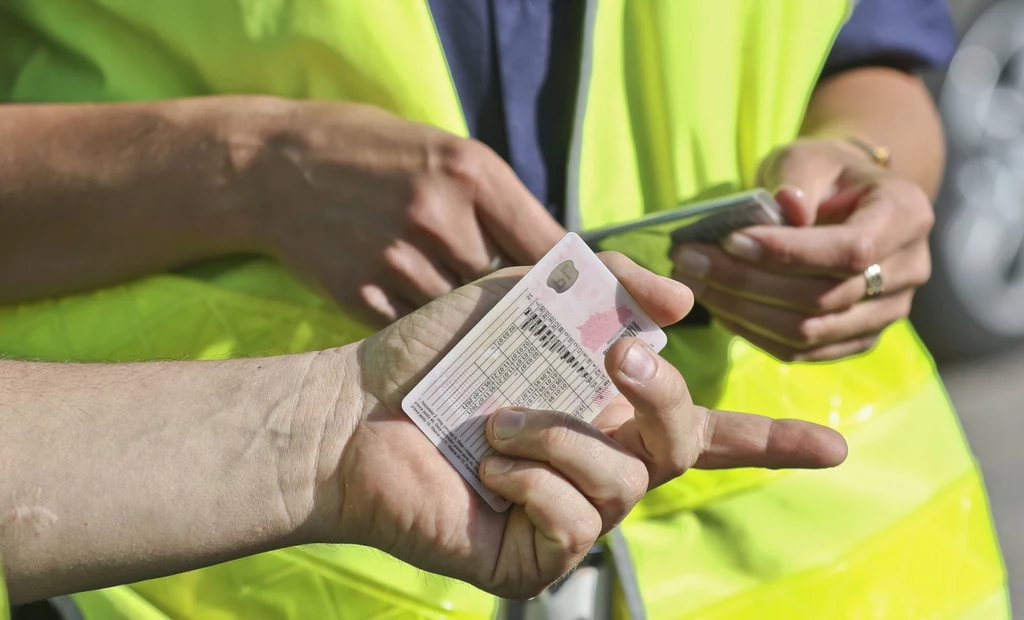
<point x="115" y="473"/>
<point x="884" y="107"/>
<point x="95" y="194"/>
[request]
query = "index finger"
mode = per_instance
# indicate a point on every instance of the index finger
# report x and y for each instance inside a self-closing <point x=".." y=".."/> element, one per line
<point x="744" y="440"/>
<point x="671" y="434"/>
<point x="871" y="233"/>
<point x="514" y="219"/>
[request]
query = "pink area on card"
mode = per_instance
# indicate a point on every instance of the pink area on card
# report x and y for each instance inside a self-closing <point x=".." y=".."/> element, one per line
<point x="487" y="407"/>
<point x="601" y="326"/>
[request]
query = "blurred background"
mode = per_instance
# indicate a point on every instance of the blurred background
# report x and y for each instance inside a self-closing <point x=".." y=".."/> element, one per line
<point x="971" y="314"/>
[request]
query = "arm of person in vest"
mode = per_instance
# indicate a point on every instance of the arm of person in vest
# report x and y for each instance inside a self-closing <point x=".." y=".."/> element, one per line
<point x="379" y="213"/>
<point x="799" y="293"/>
<point x="117" y="473"/>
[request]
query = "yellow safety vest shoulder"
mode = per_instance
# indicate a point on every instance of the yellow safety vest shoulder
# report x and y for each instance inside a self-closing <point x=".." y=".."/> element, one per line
<point x="678" y="100"/>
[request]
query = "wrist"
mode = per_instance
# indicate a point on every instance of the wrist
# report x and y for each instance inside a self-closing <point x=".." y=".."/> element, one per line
<point x="247" y="131"/>
<point x="329" y="407"/>
<point x="211" y="197"/>
<point x="856" y="145"/>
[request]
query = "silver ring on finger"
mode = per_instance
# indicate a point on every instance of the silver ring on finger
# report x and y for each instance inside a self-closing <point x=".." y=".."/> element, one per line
<point x="497" y="262"/>
<point x="874" y="283"/>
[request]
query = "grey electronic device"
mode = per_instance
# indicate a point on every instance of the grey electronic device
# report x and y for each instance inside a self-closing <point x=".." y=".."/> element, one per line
<point x="650" y="239"/>
<point x="707" y="221"/>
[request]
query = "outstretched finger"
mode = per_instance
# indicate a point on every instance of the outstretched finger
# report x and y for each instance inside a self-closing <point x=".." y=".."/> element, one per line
<point x="671" y="434"/>
<point x="732" y="439"/>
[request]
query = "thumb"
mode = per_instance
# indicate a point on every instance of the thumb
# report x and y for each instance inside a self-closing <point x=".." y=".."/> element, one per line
<point x="802" y="176"/>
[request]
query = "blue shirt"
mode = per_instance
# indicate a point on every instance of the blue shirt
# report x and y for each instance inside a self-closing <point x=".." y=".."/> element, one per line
<point x="517" y="81"/>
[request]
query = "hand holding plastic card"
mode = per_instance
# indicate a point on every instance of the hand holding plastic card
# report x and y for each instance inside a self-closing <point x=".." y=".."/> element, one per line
<point x="542" y="347"/>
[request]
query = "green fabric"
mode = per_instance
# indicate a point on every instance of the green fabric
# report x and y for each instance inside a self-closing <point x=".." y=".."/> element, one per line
<point x="685" y="99"/>
<point x="688" y="97"/>
<point x="4" y="605"/>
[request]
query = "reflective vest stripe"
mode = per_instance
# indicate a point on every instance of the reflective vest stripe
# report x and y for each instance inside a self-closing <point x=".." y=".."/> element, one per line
<point x="900" y="574"/>
<point x="996" y="605"/>
<point x="573" y="209"/>
<point x="844" y="396"/>
<point x="920" y="538"/>
<point x="684" y="99"/>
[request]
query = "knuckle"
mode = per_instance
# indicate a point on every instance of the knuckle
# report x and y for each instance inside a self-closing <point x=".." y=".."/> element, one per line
<point x="634" y="484"/>
<point x="860" y="253"/>
<point x="556" y="436"/>
<point x="675" y="464"/>
<point x="918" y="202"/>
<point x="928" y="221"/>
<point x="926" y="268"/>
<point x="463" y="159"/>
<point x="425" y="203"/>
<point x="673" y="394"/>
<point x="584" y="532"/>
<point x="577" y="532"/>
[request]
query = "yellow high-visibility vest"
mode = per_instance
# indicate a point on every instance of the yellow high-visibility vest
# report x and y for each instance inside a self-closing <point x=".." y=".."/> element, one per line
<point x="679" y="99"/>
<point x="4" y="605"/>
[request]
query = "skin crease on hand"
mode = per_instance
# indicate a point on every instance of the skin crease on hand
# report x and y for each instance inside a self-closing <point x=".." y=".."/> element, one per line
<point x="315" y="448"/>
<point x="798" y="292"/>
<point x="570" y="481"/>
<point x="378" y="213"/>
<point x="383" y="214"/>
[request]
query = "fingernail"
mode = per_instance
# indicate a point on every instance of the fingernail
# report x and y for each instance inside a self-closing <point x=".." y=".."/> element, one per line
<point x="693" y="262"/>
<point x="793" y="190"/>
<point x="508" y="423"/>
<point x="742" y="246"/>
<point x="639" y="363"/>
<point x="497" y="465"/>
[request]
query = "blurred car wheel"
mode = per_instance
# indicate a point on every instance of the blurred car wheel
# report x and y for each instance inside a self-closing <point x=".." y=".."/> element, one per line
<point x="974" y="303"/>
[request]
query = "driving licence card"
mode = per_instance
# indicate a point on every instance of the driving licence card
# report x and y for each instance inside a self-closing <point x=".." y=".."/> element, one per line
<point x="541" y="347"/>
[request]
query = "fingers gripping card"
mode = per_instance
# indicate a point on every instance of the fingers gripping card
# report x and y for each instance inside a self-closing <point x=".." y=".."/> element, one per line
<point x="542" y="347"/>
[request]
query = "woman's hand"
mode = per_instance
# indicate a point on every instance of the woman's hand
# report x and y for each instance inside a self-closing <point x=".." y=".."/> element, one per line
<point x="800" y="293"/>
<point x="380" y="213"/>
<point x="570" y="482"/>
